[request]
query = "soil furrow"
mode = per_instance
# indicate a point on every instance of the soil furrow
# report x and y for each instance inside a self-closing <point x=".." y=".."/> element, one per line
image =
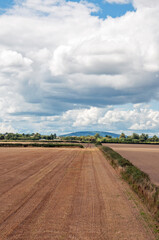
<point x="70" y="194"/>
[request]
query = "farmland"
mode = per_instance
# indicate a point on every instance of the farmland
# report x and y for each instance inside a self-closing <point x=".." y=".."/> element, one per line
<point x="50" y="194"/>
<point x="145" y="157"/>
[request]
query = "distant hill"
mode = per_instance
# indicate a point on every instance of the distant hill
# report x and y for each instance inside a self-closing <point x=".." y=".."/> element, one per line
<point x="90" y="133"/>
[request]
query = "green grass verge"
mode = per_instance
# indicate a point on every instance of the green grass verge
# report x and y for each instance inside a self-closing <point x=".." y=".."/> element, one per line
<point x="138" y="180"/>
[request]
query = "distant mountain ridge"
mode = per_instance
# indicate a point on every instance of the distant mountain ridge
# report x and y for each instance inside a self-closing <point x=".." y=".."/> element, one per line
<point x="90" y="133"/>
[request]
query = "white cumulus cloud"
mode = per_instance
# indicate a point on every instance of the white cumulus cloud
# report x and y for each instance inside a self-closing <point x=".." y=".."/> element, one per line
<point x="118" y="1"/>
<point x="5" y="128"/>
<point x="56" y="57"/>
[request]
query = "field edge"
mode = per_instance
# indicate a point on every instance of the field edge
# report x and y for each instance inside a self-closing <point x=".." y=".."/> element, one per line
<point x="139" y="182"/>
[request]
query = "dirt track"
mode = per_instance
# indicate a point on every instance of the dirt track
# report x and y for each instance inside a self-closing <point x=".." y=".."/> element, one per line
<point x="65" y="194"/>
<point x="145" y="157"/>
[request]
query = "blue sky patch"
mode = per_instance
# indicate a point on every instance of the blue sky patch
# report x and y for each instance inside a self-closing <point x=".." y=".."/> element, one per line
<point x="5" y="4"/>
<point x="109" y="9"/>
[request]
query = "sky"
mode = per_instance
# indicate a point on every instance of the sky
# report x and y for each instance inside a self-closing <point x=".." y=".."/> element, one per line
<point x="68" y="65"/>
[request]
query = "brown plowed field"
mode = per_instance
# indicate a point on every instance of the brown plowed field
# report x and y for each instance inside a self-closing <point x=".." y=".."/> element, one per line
<point x="145" y="157"/>
<point x="65" y="194"/>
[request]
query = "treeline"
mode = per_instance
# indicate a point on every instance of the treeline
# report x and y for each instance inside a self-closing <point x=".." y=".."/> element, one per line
<point x="46" y="145"/>
<point x="31" y="137"/>
<point x="134" y="138"/>
<point x="83" y="139"/>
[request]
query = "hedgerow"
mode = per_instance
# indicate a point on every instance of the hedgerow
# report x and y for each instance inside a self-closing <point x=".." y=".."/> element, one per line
<point x="138" y="180"/>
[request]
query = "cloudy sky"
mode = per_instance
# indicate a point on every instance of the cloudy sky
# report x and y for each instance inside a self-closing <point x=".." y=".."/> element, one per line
<point x="69" y="65"/>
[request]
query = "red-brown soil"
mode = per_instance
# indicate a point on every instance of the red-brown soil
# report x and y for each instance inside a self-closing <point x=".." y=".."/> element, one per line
<point x="65" y="194"/>
<point x="145" y="157"/>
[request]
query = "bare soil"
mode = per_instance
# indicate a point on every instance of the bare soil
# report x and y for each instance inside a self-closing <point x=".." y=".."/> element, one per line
<point x="145" y="157"/>
<point x="65" y="194"/>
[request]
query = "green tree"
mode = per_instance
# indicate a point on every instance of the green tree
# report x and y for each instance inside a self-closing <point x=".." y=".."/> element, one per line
<point x="1" y="136"/>
<point x="97" y="135"/>
<point x="135" y="136"/>
<point x="155" y="138"/>
<point x="108" y="136"/>
<point x="37" y="136"/>
<point x="122" y="135"/>
<point x="143" y="137"/>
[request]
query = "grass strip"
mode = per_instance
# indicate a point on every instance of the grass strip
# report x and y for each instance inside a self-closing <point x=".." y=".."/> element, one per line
<point x="138" y="180"/>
